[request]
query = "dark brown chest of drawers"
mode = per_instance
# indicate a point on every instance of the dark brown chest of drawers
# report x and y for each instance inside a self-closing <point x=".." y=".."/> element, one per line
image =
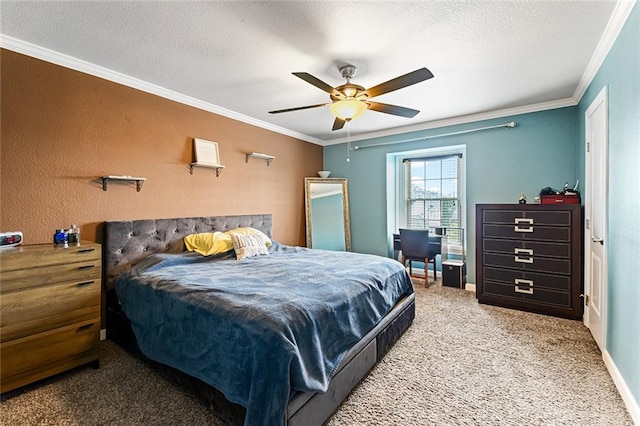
<point x="528" y="257"/>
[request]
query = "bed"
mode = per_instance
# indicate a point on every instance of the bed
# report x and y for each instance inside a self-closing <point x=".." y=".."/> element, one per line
<point x="302" y="326"/>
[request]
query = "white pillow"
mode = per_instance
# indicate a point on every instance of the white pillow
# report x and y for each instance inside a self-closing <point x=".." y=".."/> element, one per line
<point x="248" y="245"/>
<point x="251" y="231"/>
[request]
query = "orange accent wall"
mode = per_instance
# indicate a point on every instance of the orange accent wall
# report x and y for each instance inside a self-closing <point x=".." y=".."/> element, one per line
<point x="62" y="130"/>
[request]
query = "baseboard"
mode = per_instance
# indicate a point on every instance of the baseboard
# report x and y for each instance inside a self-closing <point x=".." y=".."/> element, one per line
<point x="623" y="389"/>
<point x="103" y="334"/>
<point x="419" y="272"/>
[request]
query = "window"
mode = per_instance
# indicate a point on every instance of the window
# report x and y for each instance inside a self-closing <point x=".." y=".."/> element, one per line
<point x="432" y="193"/>
<point x="428" y="192"/>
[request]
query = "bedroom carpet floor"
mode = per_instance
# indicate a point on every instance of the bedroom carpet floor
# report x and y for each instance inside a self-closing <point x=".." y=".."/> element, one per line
<point x="460" y="363"/>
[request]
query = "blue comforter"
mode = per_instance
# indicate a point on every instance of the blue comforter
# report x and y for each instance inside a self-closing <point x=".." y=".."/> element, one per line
<point x="261" y="328"/>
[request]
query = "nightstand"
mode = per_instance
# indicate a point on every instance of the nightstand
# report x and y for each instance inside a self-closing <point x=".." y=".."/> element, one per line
<point x="49" y="310"/>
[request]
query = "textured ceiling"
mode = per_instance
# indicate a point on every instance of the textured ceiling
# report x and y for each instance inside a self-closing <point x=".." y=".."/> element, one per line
<point x="485" y="55"/>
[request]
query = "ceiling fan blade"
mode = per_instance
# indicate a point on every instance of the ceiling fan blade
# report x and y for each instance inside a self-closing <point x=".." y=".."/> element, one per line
<point x="392" y="109"/>
<point x="338" y="124"/>
<point x="297" y="108"/>
<point x="318" y="83"/>
<point x="413" y="77"/>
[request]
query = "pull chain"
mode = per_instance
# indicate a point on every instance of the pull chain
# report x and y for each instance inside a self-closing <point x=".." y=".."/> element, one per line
<point x="348" y="141"/>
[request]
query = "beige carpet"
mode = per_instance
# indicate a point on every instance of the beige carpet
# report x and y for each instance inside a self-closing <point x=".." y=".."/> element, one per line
<point x="460" y="363"/>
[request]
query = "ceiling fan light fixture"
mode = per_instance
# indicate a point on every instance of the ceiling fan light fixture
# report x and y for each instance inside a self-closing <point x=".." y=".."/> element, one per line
<point x="349" y="101"/>
<point x="348" y="109"/>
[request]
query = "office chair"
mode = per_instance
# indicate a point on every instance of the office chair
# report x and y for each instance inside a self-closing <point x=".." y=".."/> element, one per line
<point x="414" y="244"/>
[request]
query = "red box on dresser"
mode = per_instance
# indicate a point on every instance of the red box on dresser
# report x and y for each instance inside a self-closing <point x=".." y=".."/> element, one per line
<point x="560" y="199"/>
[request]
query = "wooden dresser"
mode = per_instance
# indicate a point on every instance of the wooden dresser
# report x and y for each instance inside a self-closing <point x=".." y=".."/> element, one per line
<point x="49" y="310"/>
<point x="529" y="257"/>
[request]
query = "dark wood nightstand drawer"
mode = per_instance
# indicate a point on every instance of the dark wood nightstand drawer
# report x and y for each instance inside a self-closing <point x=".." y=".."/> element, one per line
<point x="42" y="308"/>
<point x="41" y="355"/>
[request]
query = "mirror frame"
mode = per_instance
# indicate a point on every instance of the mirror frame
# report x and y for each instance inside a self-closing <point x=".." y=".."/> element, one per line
<point x="345" y="207"/>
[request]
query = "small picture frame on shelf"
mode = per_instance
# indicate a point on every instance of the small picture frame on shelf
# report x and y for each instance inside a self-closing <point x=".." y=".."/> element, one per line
<point x="205" y="152"/>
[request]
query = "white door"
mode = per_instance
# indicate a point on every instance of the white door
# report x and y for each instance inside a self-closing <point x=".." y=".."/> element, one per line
<point x="596" y="190"/>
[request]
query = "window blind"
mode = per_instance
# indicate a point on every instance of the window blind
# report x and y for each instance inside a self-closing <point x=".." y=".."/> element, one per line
<point x="432" y="193"/>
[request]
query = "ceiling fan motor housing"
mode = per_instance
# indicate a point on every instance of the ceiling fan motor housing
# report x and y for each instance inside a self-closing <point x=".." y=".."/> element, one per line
<point x="349" y="91"/>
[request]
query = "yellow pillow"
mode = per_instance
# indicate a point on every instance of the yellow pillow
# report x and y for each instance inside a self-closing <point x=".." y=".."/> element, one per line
<point x="252" y="232"/>
<point x="209" y="243"/>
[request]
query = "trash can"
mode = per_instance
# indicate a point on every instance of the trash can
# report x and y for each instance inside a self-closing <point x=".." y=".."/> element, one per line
<point x="454" y="273"/>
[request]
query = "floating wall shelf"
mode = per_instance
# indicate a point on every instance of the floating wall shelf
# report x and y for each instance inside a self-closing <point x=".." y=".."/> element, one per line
<point x="218" y="167"/>
<point x="138" y="180"/>
<point x="267" y="157"/>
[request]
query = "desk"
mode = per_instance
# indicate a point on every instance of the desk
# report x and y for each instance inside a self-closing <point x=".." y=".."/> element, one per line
<point x="435" y="245"/>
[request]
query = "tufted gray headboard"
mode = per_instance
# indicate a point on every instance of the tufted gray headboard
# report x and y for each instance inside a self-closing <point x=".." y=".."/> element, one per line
<point x="128" y="242"/>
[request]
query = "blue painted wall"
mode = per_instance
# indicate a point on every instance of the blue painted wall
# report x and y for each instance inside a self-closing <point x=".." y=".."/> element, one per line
<point x="546" y="149"/>
<point x="620" y="72"/>
<point x="501" y="165"/>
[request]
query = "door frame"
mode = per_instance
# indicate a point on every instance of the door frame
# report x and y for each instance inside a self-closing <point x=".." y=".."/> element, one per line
<point x="601" y="98"/>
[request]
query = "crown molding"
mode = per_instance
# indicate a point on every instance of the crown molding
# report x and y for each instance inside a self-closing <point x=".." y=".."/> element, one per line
<point x="76" y="64"/>
<point x="57" y="58"/>
<point x="463" y="119"/>
<point x="617" y="20"/>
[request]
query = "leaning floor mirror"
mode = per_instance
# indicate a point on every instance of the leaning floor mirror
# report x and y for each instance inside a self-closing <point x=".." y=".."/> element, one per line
<point x="327" y="209"/>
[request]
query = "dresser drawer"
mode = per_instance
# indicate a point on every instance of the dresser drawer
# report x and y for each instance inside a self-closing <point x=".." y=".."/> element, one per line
<point x="528" y="263"/>
<point x="42" y="308"/>
<point x="533" y="217"/>
<point x="32" y="277"/>
<point x="528" y="293"/>
<point x="527" y="232"/>
<point x="509" y="276"/>
<point x="527" y="248"/>
<point x="38" y="255"/>
<point x="41" y="355"/>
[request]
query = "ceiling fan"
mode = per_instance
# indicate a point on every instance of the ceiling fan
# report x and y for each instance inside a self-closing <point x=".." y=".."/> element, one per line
<point x="349" y="101"/>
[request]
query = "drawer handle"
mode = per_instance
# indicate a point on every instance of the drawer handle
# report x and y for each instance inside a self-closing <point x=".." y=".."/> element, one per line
<point x="84" y="328"/>
<point x="84" y="284"/>
<point x="86" y="266"/>
<point x="527" y="291"/>
<point x="522" y="260"/>
<point x="528" y="221"/>
<point x="524" y="251"/>
<point x="524" y="282"/>
<point x="86" y="250"/>
<point x="527" y="229"/>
